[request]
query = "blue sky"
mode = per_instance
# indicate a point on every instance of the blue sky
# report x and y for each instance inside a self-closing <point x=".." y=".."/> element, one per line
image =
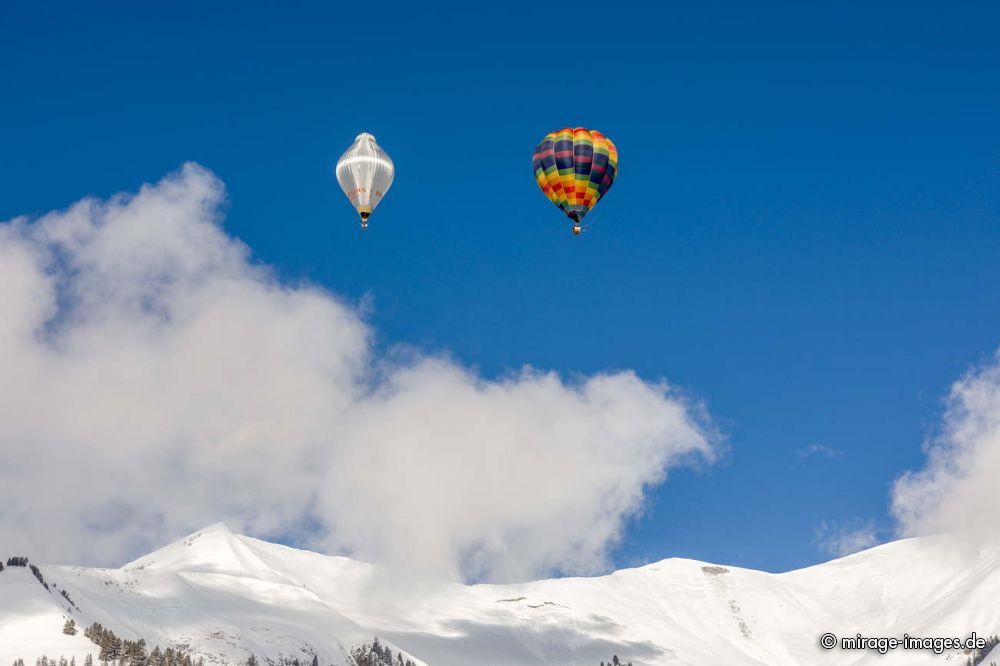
<point x="804" y="231"/>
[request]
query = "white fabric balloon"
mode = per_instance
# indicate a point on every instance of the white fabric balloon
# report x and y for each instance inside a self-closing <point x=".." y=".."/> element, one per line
<point x="365" y="174"/>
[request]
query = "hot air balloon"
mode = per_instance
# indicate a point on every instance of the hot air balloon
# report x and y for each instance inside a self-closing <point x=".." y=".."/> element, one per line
<point x="574" y="168"/>
<point x="365" y="174"/>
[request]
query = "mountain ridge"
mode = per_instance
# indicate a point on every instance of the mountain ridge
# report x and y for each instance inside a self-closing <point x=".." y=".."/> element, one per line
<point x="224" y="596"/>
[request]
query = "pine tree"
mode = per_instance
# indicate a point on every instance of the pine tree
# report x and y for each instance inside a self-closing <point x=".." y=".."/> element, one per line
<point x="38" y="574"/>
<point x="88" y="660"/>
<point x="315" y="661"/>
<point x="70" y="627"/>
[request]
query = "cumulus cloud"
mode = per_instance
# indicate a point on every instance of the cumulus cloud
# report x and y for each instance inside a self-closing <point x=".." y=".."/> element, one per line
<point x="956" y="490"/>
<point x="840" y="539"/>
<point x="155" y="379"/>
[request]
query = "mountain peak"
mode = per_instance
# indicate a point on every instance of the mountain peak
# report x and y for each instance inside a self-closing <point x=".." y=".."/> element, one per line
<point x="212" y="548"/>
<point x="214" y="527"/>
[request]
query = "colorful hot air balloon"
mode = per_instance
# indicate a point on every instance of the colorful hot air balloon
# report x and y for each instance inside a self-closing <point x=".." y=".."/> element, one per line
<point x="574" y="168"/>
<point x="365" y="174"/>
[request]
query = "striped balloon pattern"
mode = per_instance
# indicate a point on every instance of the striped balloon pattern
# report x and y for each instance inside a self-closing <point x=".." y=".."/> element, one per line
<point x="575" y="168"/>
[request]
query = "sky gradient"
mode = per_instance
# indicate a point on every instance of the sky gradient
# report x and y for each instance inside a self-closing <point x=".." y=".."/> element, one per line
<point x="803" y="234"/>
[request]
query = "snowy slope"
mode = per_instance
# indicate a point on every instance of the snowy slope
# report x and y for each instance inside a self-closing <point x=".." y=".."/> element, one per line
<point x="29" y="616"/>
<point x="225" y="596"/>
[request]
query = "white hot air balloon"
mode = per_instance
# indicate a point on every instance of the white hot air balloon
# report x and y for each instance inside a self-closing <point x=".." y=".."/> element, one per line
<point x="365" y="174"/>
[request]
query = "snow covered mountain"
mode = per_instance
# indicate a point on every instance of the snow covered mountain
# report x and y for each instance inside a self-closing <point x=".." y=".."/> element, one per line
<point x="224" y="596"/>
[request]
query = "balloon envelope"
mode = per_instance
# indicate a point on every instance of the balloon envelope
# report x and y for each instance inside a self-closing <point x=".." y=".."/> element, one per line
<point x="574" y="169"/>
<point x="365" y="173"/>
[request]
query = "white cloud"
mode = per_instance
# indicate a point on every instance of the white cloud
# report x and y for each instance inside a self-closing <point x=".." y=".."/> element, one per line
<point x="956" y="490"/>
<point x="818" y="450"/>
<point x="843" y="538"/>
<point x="156" y="380"/>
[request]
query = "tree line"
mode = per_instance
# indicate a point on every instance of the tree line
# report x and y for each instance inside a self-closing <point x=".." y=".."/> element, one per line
<point x="979" y="656"/>
<point x="134" y="653"/>
<point x="615" y="661"/>
<point x="376" y="654"/>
